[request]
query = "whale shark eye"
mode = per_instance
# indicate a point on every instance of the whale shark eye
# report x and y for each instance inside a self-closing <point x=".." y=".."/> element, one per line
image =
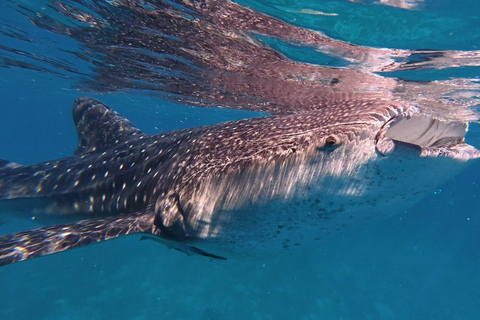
<point x="332" y="141"/>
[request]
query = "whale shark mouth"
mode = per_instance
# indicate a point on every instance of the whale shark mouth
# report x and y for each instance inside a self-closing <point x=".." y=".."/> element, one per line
<point x="434" y="137"/>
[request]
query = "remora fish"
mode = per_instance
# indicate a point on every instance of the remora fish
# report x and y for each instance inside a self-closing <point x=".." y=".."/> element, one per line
<point x="252" y="186"/>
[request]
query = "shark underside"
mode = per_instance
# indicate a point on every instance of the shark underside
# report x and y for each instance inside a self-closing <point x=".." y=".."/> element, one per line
<point x="254" y="186"/>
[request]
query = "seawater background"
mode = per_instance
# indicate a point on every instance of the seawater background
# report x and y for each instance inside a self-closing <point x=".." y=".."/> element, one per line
<point x="420" y="264"/>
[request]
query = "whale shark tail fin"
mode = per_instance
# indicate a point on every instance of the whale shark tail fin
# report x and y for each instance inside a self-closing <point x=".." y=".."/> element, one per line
<point x="48" y="240"/>
<point x="99" y="127"/>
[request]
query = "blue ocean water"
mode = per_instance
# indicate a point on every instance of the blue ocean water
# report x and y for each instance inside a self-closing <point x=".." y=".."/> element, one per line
<point x="420" y="264"/>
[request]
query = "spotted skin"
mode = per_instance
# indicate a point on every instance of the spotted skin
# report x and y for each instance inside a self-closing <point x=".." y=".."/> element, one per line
<point x="220" y="188"/>
<point x="117" y="166"/>
<point x="30" y="244"/>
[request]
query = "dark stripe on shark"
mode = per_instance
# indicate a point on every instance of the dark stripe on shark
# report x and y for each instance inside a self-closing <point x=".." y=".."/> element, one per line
<point x="205" y="253"/>
<point x="179" y="245"/>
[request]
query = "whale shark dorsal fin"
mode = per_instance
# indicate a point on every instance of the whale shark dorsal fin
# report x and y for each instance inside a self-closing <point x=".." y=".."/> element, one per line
<point x="99" y="127"/>
<point x="4" y="164"/>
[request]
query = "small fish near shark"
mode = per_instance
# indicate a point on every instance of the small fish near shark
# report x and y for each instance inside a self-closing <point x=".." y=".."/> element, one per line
<point x="249" y="187"/>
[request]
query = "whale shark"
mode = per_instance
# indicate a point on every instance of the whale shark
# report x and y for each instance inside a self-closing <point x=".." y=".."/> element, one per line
<point x="256" y="186"/>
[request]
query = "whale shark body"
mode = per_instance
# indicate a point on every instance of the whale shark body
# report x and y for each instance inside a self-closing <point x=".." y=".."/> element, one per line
<point x="250" y="187"/>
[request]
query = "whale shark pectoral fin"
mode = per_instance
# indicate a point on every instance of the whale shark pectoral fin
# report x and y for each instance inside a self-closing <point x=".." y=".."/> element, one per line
<point x="48" y="240"/>
<point x="99" y="127"/>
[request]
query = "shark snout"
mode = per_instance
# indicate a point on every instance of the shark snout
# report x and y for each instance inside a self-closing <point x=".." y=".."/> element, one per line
<point x="433" y="137"/>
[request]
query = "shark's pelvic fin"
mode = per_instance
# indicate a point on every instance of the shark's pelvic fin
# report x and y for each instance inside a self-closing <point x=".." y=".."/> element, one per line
<point x="99" y="127"/>
<point x="44" y="241"/>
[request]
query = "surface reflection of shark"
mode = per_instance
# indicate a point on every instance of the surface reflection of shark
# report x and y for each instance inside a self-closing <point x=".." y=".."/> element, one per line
<point x="217" y="53"/>
<point x="250" y="187"/>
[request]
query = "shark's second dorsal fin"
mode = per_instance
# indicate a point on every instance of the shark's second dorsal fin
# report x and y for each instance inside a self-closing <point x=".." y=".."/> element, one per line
<point x="99" y="127"/>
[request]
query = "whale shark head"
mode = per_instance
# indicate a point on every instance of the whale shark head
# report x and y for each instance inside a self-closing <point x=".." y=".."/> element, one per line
<point x="314" y="174"/>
